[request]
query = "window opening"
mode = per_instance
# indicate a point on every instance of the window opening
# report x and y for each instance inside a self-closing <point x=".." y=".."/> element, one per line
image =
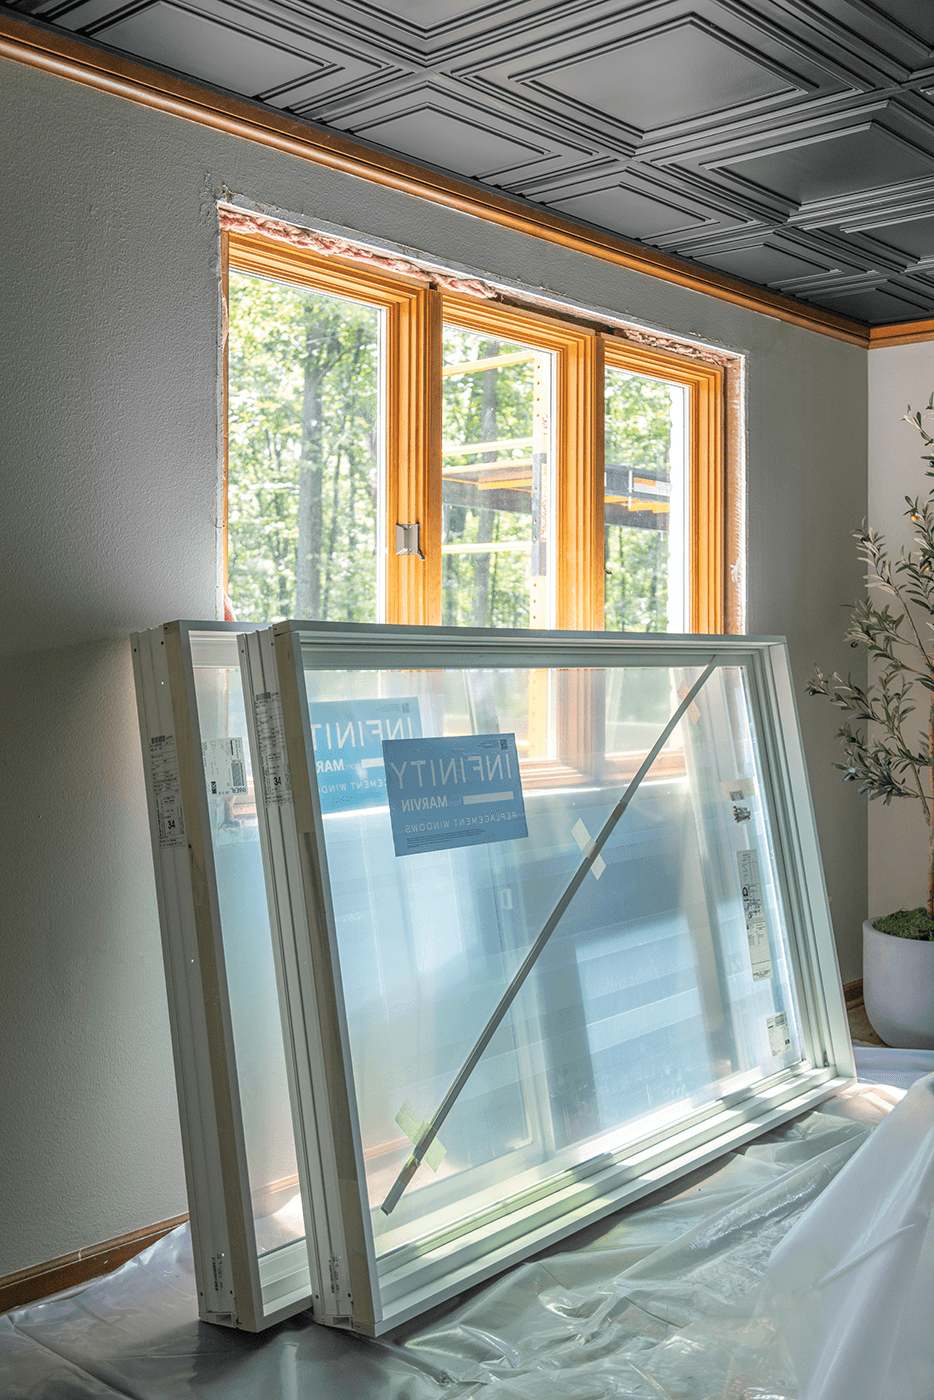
<point x="496" y="453"/>
<point x="360" y="399"/>
<point x="644" y="506"/>
<point x="306" y="452"/>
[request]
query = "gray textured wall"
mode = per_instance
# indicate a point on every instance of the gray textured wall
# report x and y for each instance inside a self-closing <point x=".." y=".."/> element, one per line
<point x="109" y="309"/>
<point x="898" y="376"/>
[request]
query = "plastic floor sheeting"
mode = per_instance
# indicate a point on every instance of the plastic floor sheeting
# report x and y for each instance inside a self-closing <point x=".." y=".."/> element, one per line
<point x="666" y="1300"/>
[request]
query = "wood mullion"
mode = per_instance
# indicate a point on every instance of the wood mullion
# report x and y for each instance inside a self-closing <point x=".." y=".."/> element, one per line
<point x="706" y="509"/>
<point x="579" y="545"/>
<point x="413" y="469"/>
<point x="225" y="412"/>
<point x="714" y="483"/>
<point x="578" y="495"/>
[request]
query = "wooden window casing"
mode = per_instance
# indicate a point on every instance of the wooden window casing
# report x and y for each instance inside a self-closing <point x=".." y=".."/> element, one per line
<point x="707" y="494"/>
<point x="413" y="411"/>
<point x="415" y="314"/>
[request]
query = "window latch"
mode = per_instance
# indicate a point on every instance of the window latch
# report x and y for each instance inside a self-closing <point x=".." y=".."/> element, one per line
<point x="407" y="539"/>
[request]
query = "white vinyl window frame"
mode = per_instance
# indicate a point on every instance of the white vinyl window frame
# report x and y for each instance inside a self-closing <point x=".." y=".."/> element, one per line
<point x="364" y="1297"/>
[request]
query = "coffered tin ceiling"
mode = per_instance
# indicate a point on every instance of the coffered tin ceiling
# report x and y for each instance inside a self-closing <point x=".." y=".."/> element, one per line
<point x="786" y="142"/>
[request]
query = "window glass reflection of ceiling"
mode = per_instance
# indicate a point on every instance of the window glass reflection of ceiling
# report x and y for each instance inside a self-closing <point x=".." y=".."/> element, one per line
<point x="789" y="143"/>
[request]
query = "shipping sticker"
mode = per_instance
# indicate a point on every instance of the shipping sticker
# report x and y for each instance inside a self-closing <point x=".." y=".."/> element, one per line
<point x="274" y="763"/>
<point x="756" y="931"/>
<point x="692" y="710"/>
<point x="779" y="1036"/>
<point x="738" y="792"/>
<point x="167" y="791"/>
<point x="739" y="789"/>
<point x="224" y="769"/>
<point x="415" y="1129"/>
<point x="582" y="837"/>
<point x="448" y="793"/>
<point x="348" y="742"/>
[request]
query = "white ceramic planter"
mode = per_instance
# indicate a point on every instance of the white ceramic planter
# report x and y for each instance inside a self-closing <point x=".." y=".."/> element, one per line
<point x="898" y="988"/>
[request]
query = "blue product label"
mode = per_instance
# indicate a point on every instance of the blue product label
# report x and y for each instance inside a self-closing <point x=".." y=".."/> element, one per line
<point x="348" y="737"/>
<point x="447" y="793"/>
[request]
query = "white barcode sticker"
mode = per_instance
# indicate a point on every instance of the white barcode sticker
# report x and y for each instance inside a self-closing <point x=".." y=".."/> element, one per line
<point x="754" y="913"/>
<point x="167" y="791"/>
<point x="583" y="838"/>
<point x="224" y="769"/>
<point x="270" y="732"/>
<point x="779" y="1037"/>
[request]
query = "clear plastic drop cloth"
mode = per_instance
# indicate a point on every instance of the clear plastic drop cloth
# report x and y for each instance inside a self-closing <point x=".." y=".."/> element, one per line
<point x="852" y="1284"/>
<point x="663" y="1301"/>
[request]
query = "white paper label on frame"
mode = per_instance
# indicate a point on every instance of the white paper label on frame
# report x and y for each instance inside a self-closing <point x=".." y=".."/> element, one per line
<point x="167" y="791"/>
<point x="756" y="931"/>
<point x="270" y="733"/>
<point x="224" y="768"/>
<point x="779" y="1037"/>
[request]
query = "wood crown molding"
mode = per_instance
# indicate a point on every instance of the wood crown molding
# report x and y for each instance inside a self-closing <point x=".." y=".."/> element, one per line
<point x="38" y="45"/>
<point x="908" y="333"/>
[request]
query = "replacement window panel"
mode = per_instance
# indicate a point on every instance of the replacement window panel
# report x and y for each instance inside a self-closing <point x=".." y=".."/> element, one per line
<point x="241" y="1165"/>
<point x="549" y="926"/>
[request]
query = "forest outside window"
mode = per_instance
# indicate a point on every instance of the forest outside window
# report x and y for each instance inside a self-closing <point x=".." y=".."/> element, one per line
<point x="559" y="476"/>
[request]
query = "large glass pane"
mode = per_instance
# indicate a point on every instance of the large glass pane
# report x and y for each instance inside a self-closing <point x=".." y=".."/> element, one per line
<point x="665" y="986"/>
<point x="305" y="452"/>
<point x="496" y="474"/>
<point x="244" y="922"/>
<point x="644" y="503"/>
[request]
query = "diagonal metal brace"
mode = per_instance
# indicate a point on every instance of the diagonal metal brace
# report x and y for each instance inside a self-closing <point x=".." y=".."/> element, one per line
<point x="531" y="957"/>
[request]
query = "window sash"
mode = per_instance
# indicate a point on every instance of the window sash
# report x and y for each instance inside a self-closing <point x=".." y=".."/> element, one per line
<point x="415" y="314"/>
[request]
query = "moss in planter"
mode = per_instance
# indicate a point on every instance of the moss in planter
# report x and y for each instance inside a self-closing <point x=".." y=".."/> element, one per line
<point x="907" y="923"/>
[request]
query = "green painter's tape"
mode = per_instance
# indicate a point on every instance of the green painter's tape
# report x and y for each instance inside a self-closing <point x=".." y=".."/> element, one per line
<point x="415" y="1128"/>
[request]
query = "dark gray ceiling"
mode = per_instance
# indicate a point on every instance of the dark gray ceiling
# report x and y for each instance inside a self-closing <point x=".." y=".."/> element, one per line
<point x="786" y="142"/>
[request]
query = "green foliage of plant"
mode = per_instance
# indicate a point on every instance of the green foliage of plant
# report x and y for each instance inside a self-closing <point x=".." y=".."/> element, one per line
<point x="303" y="412"/>
<point x="882" y="753"/>
<point x="907" y="923"/>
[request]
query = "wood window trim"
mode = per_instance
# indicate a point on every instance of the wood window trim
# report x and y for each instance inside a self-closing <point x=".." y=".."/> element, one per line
<point x="416" y="312"/>
<point x="578" y="545"/>
<point x="413" y="410"/>
<point x="712" y="498"/>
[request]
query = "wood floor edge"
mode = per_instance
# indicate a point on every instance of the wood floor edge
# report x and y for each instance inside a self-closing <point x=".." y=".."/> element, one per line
<point x="42" y="1280"/>
<point x="853" y="992"/>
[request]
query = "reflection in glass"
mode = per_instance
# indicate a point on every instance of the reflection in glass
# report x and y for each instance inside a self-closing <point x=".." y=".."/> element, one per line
<point x="646" y="1006"/>
<point x="305" y="450"/>
<point x="644" y="453"/>
<point x="496" y="458"/>
<point x="244" y="921"/>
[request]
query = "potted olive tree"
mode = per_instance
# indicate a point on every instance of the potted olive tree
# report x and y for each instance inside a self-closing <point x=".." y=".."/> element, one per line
<point x="888" y="753"/>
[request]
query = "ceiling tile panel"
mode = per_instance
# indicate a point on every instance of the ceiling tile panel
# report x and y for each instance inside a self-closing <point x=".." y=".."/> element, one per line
<point x="915" y="237"/>
<point x="426" y="131"/>
<point x="786" y="142"/>
<point x="702" y="73"/>
<point x="196" y="44"/>
<point x="877" y="306"/>
<point x="834" y="163"/>
<point x="765" y="264"/>
<point x="615" y="206"/>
